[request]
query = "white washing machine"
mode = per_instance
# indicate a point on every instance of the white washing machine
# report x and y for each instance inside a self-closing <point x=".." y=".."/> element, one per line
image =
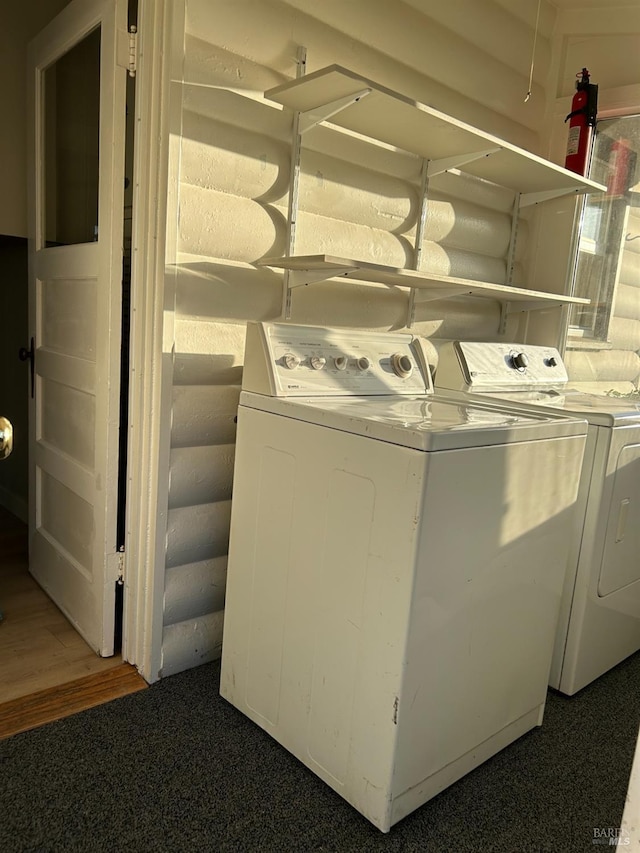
<point x="395" y="566"/>
<point x="599" y="624"/>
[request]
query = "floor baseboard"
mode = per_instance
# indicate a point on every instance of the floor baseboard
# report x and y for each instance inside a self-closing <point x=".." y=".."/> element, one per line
<point x="55" y="703"/>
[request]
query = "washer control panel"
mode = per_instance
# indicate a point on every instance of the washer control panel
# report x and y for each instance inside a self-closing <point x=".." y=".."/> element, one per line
<point x="479" y="366"/>
<point x="282" y="359"/>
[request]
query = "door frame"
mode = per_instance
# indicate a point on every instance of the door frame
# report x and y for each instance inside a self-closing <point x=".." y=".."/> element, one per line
<point x="160" y="47"/>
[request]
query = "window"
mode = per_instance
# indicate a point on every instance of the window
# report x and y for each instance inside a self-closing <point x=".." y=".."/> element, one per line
<point x="610" y="224"/>
<point x="71" y="132"/>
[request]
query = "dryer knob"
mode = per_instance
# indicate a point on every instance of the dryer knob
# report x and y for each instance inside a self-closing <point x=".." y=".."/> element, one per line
<point x="551" y="362"/>
<point x="519" y="360"/>
<point x="402" y="365"/>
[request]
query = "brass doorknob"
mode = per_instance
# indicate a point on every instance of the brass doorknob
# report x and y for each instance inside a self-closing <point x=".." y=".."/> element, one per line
<point x="6" y="438"/>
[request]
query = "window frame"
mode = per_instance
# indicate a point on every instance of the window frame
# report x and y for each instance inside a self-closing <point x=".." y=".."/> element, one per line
<point x="620" y="102"/>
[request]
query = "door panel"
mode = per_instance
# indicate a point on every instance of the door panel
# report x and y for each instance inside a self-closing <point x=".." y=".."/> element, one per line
<point x="76" y="163"/>
<point x="69" y="317"/>
<point x="621" y="559"/>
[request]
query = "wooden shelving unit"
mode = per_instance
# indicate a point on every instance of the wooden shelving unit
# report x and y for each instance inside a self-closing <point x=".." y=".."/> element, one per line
<point x="354" y="103"/>
<point x="307" y="269"/>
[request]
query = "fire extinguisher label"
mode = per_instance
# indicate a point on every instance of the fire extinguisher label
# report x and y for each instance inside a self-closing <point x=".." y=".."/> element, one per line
<point x="573" y="141"/>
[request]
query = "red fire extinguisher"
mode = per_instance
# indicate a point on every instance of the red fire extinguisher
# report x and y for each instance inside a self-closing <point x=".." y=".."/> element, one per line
<point x="582" y="120"/>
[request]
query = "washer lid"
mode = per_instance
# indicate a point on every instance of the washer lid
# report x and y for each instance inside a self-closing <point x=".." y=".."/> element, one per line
<point x="598" y="410"/>
<point x="424" y="423"/>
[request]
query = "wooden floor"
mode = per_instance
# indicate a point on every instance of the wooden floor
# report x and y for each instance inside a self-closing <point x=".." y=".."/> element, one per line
<point x="47" y="671"/>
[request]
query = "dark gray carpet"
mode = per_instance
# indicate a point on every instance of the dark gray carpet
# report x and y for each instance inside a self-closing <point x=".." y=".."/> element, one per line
<point x="175" y="768"/>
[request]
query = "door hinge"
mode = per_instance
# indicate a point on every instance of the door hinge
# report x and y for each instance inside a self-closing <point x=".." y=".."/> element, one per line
<point x="133" y="50"/>
<point x="120" y="579"/>
<point x="127" y="49"/>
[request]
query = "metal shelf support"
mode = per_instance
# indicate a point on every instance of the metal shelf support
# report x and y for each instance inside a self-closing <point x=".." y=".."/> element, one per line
<point x="527" y="199"/>
<point x="300" y="278"/>
<point x="317" y="116"/>
<point x="444" y="164"/>
<point x="421" y="224"/>
<point x="507" y="308"/>
<point x="294" y="189"/>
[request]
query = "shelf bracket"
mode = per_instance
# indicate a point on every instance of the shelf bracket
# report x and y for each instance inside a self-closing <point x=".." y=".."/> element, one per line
<point x="316" y="116"/>
<point x="423" y="296"/>
<point x="527" y="199"/>
<point x="437" y="167"/>
<point x="294" y="185"/>
<point x="421" y="225"/>
<point x="507" y="308"/>
<point x="504" y="313"/>
<point x="300" y="278"/>
<point x="513" y="238"/>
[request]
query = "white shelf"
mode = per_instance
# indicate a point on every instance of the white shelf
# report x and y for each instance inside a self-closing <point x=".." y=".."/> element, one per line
<point x="307" y="269"/>
<point x="353" y="102"/>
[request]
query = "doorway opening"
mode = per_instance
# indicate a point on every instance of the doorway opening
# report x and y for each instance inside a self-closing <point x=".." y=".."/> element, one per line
<point x="57" y="338"/>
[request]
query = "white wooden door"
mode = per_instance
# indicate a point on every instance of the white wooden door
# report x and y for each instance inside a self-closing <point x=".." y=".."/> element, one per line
<point x="76" y="109"/>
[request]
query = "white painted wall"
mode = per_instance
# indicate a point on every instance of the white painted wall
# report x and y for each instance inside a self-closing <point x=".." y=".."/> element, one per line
<point x="229" y="179"/>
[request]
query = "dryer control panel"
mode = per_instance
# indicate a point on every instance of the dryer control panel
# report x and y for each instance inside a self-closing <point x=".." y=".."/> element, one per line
<point x="479" y="366"/>
<point x="286" y="360"/>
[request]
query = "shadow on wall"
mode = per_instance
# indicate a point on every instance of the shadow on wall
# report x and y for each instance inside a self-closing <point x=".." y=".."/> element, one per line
<point x="206" y="369"/>
<point x="235" y="168"/>
<point x="235" y="292"/>
<point x="229" y="291"/>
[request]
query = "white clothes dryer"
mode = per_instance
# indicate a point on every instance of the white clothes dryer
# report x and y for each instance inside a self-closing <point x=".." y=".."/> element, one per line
<point x="599" y="623"/>
<point x="395" y="565"/>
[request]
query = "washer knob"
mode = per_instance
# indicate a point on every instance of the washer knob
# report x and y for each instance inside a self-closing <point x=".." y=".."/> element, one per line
<point x="290" y="361"/>
<point x="402" y="365"/>
<point x="340" y="361"/>
<point x="363" y="363"/>
<point x="318" y="362"/>
<point x="552" y="361"/>
<point x="519" y="360"/>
